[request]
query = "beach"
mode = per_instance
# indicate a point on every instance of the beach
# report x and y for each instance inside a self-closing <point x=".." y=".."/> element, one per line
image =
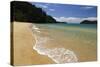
<point x="53" y="43"/>
<point x="48" y="33"/>
<point x="79" y="39"/>
<point x="23" y="42"/>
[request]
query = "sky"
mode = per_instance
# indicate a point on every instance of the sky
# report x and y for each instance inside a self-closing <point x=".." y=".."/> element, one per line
<point x="69" y="13"/>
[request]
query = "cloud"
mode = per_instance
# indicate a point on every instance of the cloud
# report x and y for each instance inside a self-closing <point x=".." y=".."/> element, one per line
<point x="87" y="7"/>
<point x="42" y="6"/>
<point x="52" y="9"/>
<point x="68" y="19"/>
<point x="45" y="6"/>
<point x="90" y="18"/>
<point x="74" y="19"/>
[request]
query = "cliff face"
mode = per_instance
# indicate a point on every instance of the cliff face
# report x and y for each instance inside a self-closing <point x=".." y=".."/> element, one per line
<point x="88" y="22"/>
<point x="26" y="12"/>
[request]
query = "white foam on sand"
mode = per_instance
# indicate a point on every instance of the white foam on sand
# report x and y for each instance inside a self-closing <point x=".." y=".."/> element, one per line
<point x="58" y="55"/>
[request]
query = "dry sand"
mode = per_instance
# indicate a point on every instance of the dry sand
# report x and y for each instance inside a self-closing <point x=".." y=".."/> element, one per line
<point x="23" y="42"/>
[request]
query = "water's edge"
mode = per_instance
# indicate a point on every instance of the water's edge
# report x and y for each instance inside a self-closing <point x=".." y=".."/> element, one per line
<point x="58" y="55"/>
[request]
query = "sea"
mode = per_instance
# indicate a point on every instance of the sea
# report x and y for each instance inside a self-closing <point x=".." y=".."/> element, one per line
<point x="66" y="43"/>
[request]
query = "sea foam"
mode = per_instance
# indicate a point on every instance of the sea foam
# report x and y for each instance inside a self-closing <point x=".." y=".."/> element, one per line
<point x="58" y="55"/>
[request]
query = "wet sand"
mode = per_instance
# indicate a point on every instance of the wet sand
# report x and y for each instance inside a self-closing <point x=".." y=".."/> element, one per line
<point x="23" y="42"/>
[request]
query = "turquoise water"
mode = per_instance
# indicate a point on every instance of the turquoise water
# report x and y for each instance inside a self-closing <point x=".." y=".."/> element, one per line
<point x="78" y="41"/>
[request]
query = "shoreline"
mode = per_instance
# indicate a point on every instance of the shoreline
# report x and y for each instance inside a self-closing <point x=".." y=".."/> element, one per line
<point x="23" y="41"/>
<point x="65" y="55"/>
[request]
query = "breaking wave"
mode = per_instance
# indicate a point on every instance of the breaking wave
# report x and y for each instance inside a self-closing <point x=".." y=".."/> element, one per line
<point x="58" y="55"/>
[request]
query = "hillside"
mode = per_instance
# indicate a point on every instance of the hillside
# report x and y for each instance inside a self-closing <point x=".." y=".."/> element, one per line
<point x="88" y="22"/>
<point x="26" y="12"/>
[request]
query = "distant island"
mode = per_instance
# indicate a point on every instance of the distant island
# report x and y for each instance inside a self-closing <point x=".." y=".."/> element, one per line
<point x="89" y="22"/>
<point x="26" y="12"/>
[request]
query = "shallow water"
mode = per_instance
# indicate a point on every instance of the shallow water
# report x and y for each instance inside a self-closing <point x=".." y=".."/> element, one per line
<point x="65" y="43"/>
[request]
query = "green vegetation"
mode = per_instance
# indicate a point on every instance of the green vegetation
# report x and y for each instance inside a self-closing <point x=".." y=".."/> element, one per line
<point x="26" y="12"/>
<point x="88" y="22"/>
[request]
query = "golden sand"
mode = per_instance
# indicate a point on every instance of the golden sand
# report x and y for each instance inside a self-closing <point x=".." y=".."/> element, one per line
<point x="24" y="54"/>
<point x="23" y="42"/>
